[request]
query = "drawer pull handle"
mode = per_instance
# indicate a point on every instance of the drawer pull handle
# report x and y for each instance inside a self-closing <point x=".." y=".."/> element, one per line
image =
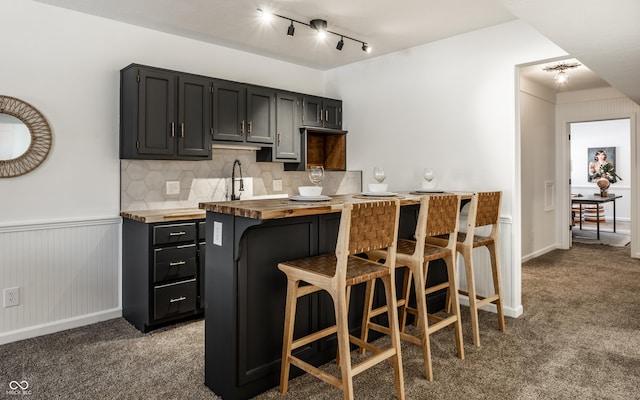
<point x="177" y="299"/>
<point x="177" y="233"/>
<point x="176" y="263"/>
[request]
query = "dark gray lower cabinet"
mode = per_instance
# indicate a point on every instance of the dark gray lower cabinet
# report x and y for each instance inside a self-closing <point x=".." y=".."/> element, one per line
<point x="245" y="296"/>
<point x="161" y="272"/>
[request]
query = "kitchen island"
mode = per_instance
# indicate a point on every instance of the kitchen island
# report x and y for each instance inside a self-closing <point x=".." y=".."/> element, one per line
<point x="245" y="291"/>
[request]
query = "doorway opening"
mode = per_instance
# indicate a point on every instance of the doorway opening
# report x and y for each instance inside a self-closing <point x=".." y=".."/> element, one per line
<point x="600" y="156"/>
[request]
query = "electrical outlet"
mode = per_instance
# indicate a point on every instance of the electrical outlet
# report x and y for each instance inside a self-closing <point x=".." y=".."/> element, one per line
<point x="11" y="297"/>
<point x="173" y="187"/>
<point x="277" y="185"/>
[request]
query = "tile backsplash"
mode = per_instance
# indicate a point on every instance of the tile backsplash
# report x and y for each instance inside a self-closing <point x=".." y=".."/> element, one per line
<point x="143" y="182"/>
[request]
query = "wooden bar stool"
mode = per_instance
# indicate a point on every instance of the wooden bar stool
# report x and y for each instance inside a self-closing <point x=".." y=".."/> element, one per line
<point x="363" y="227"/>
<point x="438" y="215"/>
<point x="484" y="210"/>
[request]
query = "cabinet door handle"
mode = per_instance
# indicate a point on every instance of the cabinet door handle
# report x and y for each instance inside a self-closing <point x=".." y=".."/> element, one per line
<point x="279" y="135"/>
<point x="173" y="129"/>
<point x="320" y="115"/>
<point x="242" y="127"/>
<point x="250" y="127"/>
<point x="182" y="129"/>
<point x="177" y="299"/>
<point x="176" y="263"/>
<point x="326" y="115"/>
<point x="177" y="233"/>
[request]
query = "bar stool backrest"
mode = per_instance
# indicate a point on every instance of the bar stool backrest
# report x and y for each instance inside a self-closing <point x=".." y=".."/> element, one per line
<point x="372" y="226"/>
<point x="484" y="211"/>
<point x="443" y="215"/>
<point x="438" y="216"/>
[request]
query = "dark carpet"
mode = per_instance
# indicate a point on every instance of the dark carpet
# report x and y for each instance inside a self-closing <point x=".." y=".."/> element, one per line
<point x="579" y="338"/>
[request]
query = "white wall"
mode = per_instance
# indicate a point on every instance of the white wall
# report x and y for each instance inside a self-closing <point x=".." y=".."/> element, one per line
<point x="448" y="105"/>
<point x="66" y="64"/>
<point x="538" y="169"/>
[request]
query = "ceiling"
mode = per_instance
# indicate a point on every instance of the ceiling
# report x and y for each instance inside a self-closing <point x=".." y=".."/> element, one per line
<point x="604" y="36"/>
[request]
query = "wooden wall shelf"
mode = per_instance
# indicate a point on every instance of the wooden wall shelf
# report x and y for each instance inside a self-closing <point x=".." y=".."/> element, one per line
<point x="326" y="147"/>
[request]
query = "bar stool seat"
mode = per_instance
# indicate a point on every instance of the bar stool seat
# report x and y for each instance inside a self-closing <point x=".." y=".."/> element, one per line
<point x="438" y="215"/>
<point x="363" y="227"/>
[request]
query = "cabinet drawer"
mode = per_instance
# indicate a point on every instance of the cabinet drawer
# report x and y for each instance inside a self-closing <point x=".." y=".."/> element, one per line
<point x="174" y="299"/>
<point x="174" y="263"/>
<point x="174" y="233"/>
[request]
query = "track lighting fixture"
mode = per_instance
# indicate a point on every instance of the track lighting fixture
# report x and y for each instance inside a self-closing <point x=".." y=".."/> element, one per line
<point x="320" y="25"/>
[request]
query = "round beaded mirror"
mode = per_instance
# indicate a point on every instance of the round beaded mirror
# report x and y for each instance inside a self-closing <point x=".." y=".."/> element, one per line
<point x="32" y="148"/>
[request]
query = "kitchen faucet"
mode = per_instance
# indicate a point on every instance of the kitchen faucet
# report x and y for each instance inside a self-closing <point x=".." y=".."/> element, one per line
<point x="233" y="181"/>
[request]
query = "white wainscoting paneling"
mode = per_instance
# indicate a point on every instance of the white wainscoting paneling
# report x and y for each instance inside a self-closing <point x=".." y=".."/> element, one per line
<point x="510" y="275"/>
<point x="68" y="274"/>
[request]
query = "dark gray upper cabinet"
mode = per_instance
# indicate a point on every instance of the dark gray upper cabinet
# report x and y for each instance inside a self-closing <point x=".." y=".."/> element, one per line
<point x="321" y="112"/>
<point x="332" y="114"/>
<point x="229" y="101"/>
<point x="243" y="113"/>
<point x="164" y="115"/>
<point x="287" y="146"/>
<point x="261" y="114"/>
<point x="194" y="116"/>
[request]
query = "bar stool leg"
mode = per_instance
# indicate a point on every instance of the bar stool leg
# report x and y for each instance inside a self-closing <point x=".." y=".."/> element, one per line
<point x="421" y="300"/>
<point x="368" y="307"/>
<point x="289" y="323"/>
<point x="495" y="269"/>
<point x="392" y="315"/>
<point x="453" y="301"/>
<point x="406" y="292"/>
<point x="340" y="304"/>
<point x="467" y="255"/>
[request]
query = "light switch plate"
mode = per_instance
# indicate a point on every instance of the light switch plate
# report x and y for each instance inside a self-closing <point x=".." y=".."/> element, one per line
<point x="277" y="185"/>
<point x="173" y="187"/>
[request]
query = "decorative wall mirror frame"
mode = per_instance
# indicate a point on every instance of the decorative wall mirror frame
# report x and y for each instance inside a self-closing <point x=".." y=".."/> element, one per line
<point x="39" y="130"/>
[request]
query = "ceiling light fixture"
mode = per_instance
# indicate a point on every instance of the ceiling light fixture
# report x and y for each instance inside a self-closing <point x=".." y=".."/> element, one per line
<point x="562" y="78"/>
<point x="320" y="25"/>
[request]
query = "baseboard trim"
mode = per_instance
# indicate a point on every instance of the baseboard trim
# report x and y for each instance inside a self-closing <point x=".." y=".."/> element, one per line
<point x="508" y="311"/>
<point x="58" y="326"/>
<point x="540" y="252"/>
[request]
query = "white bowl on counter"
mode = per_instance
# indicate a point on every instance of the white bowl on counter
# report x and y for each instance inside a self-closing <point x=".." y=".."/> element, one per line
<point x="310" y="191"/>
<point x="378" y="187"/>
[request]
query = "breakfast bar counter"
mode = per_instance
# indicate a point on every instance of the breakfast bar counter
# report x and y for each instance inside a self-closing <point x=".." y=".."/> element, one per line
<point x="245" y="291"/>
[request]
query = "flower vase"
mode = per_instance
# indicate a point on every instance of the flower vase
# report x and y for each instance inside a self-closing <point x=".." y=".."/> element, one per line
<point x="603" y="184"/>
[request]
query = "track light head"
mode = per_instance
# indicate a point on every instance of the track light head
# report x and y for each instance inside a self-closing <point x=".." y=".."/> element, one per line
<point x="366" y="48"/>
<point x="340" y="44"/>
<point x="291" y="29"/>
<point x="318" y="24"/>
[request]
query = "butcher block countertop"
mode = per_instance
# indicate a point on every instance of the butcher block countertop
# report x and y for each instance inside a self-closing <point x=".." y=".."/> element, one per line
<point x="283" y="208"/>
<point x="168" y="215"/>
<point x="264" y="209"/>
